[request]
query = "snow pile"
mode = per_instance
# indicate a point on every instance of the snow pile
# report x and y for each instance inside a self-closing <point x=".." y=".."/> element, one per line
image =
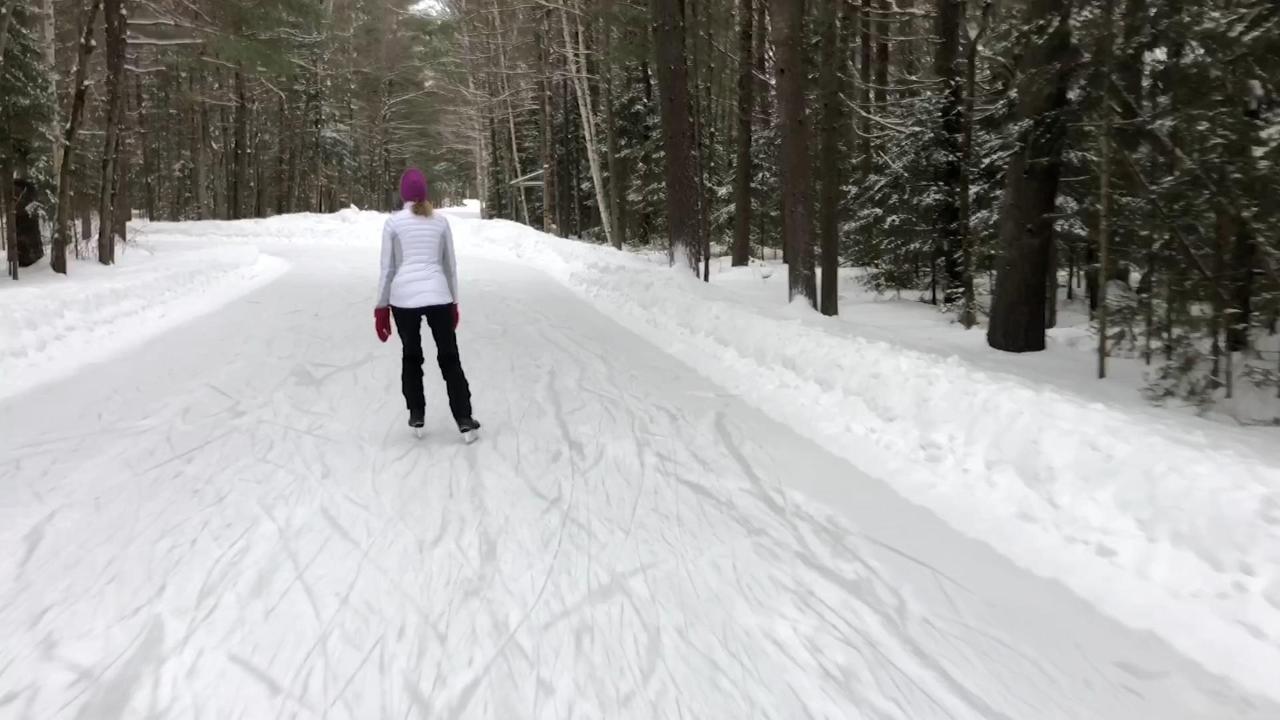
<point x="347" y="226"/>
<point x="1168" y="524"/>
<point x="51" y="325"/>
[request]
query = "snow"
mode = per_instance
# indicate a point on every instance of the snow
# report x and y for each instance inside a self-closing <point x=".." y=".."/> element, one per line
<point x="686" y="502"/>
<point x="1168" y="523"/>
<point x="52" y="324"/>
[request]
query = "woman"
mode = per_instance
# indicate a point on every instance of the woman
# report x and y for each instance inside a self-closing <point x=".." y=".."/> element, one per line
<point x="419" y="279"/>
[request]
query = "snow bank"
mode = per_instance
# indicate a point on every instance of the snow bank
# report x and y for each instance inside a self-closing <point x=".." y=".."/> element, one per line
<point x="52" y="325"/>
<point x="349" y="226"/>
<point x="1172" y="526"/>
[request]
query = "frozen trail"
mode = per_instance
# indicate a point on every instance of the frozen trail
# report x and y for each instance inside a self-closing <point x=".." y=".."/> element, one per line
<point x="233" y="521"/>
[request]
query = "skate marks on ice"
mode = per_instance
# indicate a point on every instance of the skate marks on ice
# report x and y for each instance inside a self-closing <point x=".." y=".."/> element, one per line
<point x="238" y="523"/>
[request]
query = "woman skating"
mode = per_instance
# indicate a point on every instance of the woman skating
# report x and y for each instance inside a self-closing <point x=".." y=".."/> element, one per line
<point x="419" y="280"/>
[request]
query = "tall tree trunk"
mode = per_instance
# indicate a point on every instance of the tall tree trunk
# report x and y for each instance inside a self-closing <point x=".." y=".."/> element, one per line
<point x="969" y="310"/>
<point x="200" y="140"/>
<point x="80" y="88"/>
<point x="123" y="212"/>
<point x="951" y="15"/>
<point x="1031" y="182"/>
<point x="575" y="48"/>
<point x="864" y="86"/>
<point x="829" y="160"/>
<point x="550" y="211"/>
<point x="677" y="133"/>
<point x="48" y="51"/>
<point x="787" y="20"/>
<point x="746" y="104"/>
<point x="240" y="176"/>
<point x="883" y="10"/>
<point x="517" y="165"/>
<point x="116" y="21"/>
<point x="145" y="148"/>
<point x="616" y="183"/>
<point x="8" y="210"/>
<point x="6" y="19"/>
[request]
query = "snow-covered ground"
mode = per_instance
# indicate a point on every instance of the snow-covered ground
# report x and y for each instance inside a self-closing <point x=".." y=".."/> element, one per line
<point x="687" y="503"/>
<point x="52" y="325"/>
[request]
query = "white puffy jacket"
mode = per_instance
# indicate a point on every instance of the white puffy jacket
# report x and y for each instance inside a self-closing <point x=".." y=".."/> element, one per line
<point x="419" y="267"/>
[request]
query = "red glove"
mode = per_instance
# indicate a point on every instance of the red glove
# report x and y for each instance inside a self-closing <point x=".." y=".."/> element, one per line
<point x="457" y="317"/>
<point x="382" y="322"/>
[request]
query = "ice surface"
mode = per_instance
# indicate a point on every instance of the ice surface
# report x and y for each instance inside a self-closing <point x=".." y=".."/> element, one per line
<point x="230" y="518"/>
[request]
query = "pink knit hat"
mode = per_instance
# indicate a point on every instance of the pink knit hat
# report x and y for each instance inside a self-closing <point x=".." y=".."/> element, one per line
<point x="413" y="186"/>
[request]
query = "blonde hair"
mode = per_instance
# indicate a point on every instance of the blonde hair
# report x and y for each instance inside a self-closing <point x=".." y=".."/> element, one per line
<point x="423" y="208"/>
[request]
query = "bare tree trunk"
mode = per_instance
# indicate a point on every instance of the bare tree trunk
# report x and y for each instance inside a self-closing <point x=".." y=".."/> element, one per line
<point x="145" y="148"/>
<point x="240" y="175"/>
<point x="200" y="139"/>
<point x="80" y="88"/>
<point x="1107" y="64"/>
<point x="829" y="161"/>
<point x="969" y="311"/>
<point x="864" y="85"/>
<point x="6" y="19"/>
<point x="116" y="21"/>
<point x="883" y="9"/>
<point x="575" y="49"/>
<point x="550" y="199"/>
<point x="48" y="49"/>
<point x="9" y="206"/>
<point x="746" y="103"/>
<point x="951" y="14"/>
<point x="677" y="133"/>
<point x="614" y="161"/>
<point x="787" y="20"/>
<point x="511" y="116"/>
<point x="1031" y="182"/>
<point x="123" y="212"/>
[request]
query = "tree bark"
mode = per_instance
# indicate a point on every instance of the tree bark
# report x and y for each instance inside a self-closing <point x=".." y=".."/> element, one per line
<point x="6" y="19"/>
<point x="969" y="310"/>
<point x="787" y="20"/>
<point x="200" y="138"/>
<point x="550" y="207"/>
<point x="48" y="49"/>
<point x="240" y="176"/>
<point x="614" y="161"/>
<point x="1031" y="182"/>
<point x="8" y="205"/>
<point x="146" y="149"/>
<point x="80" y="88"/>
<point x="116" y="22"/>
<point x="884" y="8"/>
<point x="829" y="162"/>
<point x="575" y="49"/>
<point x="864" y="86"/>
<point x="951" y="14"/>
<point x="677" y="133"/>
<point x="746" y="103"/>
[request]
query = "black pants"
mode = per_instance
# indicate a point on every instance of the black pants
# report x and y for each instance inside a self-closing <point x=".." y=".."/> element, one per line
<point x="440" y="320"/>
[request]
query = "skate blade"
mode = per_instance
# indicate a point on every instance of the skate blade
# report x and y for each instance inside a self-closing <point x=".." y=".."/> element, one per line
<point x="417" y="433"/>
<point x="470" y="437"/>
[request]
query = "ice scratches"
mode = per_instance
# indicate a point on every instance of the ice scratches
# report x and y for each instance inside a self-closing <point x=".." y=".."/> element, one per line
<point x="115" y="688"/>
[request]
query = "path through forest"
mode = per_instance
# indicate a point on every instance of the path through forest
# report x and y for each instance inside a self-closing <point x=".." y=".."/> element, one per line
<point x="232" y="521"/>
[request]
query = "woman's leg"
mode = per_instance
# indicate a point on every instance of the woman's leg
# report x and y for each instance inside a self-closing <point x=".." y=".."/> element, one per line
<point x="440" y="319"/>
<point x="409" y="327"/>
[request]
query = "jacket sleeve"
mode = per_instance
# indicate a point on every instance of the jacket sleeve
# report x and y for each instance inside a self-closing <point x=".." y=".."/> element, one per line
<point x="449" y="261"/>
<point x="390" y="263"/>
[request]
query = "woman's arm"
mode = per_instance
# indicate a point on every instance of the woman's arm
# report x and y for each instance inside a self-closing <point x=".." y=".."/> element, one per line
<point x="449" y="261"/>
<point x="390" y="263"/>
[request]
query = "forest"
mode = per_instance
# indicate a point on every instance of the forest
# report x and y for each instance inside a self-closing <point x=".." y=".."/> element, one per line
<point x="1002" y="160"/>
